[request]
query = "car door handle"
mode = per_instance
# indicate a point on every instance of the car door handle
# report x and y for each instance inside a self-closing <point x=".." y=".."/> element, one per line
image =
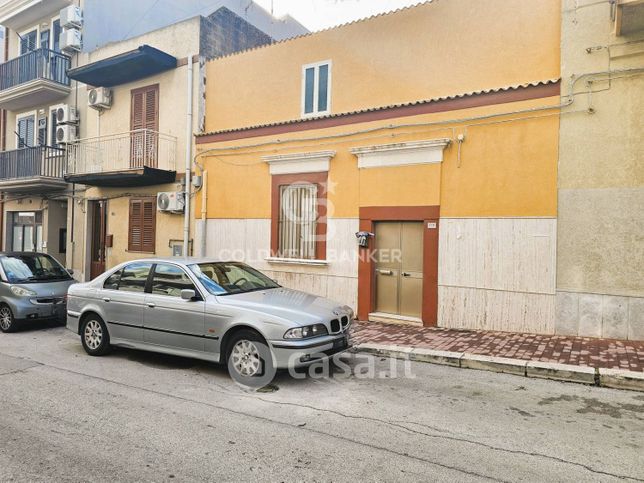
<point x="107" y="299"/>
<point x="151" y="305"/>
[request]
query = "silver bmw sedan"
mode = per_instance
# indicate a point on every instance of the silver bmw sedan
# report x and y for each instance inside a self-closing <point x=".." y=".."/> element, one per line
<point x="225" y="312"/>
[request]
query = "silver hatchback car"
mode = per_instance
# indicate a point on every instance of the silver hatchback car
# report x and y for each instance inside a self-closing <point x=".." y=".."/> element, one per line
<point x="33" y="286"/>
<point x="225" y="312"/>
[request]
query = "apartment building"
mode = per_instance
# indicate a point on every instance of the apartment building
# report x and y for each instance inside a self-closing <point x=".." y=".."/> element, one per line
<point x="405" y="164"/>
<point x="33" y="86"/>
<point x="128" y="172"/>
<point x="77" y="135"/>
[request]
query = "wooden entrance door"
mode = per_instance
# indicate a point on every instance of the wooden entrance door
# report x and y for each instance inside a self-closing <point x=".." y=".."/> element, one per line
<point x="98" y="210"/>
<point x="399" y="268"/>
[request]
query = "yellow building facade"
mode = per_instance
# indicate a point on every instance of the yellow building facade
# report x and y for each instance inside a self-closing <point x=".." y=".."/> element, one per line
<point x="405" y="165"/>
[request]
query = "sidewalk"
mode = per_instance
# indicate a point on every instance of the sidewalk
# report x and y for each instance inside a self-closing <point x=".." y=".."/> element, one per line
<point x="606" y="362"/>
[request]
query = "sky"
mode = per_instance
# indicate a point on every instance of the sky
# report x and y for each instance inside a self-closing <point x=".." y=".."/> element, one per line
<point x="321" y="14"/>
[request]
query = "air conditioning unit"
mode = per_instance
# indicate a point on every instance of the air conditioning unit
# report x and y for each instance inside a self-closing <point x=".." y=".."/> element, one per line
<point x="71" y="40"/>
<point x="66" y="114"/>
<point x="171" y="201"/>
<point x="71" y="17"/>
<point x="66" y="134"/>
<point x="100" y="98"/>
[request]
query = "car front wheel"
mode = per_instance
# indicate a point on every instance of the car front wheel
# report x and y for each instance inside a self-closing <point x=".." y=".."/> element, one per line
<point x="94" y="335"/>
<point x="250" y="361"/>
<point x="7" y="321"/>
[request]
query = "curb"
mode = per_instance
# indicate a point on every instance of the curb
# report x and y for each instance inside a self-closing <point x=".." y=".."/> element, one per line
<point x="613" y="378"/>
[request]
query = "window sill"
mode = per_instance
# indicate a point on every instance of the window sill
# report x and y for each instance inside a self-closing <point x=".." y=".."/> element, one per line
<point x="297" y="261"/>
<point x="139" y="251"/>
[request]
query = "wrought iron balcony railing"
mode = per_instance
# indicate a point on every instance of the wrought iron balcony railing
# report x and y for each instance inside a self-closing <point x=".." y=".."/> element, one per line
<point x="133" y="150"/>
<point x="40" y="64"/>
<point x="35" y="162"/>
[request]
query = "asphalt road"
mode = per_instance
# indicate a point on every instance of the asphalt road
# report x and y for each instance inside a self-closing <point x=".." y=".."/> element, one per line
<point x="138" y="416"/>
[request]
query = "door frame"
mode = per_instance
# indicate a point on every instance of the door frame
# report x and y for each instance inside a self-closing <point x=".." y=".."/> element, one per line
<point x="369" y="216"/>
<point x="100" y="206"/>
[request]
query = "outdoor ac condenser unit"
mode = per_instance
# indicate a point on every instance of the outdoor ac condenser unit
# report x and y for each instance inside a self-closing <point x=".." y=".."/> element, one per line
<point x="71" y="40"/>
<point x="100" y="98"/>
<point x="71" y="17"/>
<point x="66" y="114"/>
<point x="66" y="134"/>
<point x="171" y="201"/>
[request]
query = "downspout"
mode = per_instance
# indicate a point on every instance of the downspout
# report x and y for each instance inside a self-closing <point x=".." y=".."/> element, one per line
<point x="186" y="219"/>
<point x="204" y="211"/>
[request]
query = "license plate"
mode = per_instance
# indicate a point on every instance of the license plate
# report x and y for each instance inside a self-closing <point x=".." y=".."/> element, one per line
<point x="340" y="343"/>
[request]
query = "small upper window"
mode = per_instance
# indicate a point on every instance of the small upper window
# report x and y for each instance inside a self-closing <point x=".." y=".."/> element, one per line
<point x="316" y="88"/>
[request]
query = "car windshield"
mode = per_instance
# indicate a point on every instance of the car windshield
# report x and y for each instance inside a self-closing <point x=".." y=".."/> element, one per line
<point x="227" y="278"/>
<point x="32" y="268"/>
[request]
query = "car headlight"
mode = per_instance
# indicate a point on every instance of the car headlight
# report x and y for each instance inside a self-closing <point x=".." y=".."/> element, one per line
<point x="306" y="332"/>
<point x="22" y="292"/>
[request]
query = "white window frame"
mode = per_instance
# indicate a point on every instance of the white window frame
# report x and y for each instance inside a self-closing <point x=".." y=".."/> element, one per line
<point x="51" y="31"/>
<point x="26" y="31"/>
<point x="22" y="115"/>
<point x="316" y="80"/>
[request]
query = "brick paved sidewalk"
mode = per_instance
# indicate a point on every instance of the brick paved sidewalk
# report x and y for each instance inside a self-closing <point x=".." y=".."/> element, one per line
<point x="581" y="351"/>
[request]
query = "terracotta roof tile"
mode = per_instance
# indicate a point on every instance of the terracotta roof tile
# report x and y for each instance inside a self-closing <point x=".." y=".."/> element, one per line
<point x="391" y="106"/>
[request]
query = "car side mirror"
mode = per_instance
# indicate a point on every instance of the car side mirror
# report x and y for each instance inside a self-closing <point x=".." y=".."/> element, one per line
<point x="70" y="271"/>
<point x="188" y="294"/>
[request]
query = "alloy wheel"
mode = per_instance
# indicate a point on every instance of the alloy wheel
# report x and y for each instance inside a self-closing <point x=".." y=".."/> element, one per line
<point x="5" y="318"/>
<point x="245" y="358"/>
<point x="93" y="334"/>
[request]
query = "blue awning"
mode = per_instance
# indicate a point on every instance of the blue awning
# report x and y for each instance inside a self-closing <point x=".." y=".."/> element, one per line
<point x="130" y="66"/>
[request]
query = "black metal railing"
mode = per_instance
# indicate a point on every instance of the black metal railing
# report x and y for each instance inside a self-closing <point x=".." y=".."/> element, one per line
<point x="37" y="64"/>
<point x="39" y="161"/>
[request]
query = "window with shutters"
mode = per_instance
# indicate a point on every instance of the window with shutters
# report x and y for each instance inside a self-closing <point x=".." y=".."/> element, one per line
<point x="299" y="216"/>
<point x="144" y="122"/>
<point x="142" y="225"/>
<point x="25" y="129"/>
<point x="28" y="41"/>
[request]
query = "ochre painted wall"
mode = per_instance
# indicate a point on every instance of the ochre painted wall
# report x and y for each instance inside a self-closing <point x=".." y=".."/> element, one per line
<point x="507" y="166"/>
<point x="437" y="49"/>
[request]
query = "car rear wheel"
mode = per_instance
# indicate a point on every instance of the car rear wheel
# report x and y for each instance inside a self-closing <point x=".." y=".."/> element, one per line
<point x="94" y="335"/>
<point x="7" y="321"/>
<point x="249" y="358"/>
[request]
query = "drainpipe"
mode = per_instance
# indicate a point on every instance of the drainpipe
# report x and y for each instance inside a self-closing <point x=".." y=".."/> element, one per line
<point x="186" y="219"/>
<point x="204" y="211"/>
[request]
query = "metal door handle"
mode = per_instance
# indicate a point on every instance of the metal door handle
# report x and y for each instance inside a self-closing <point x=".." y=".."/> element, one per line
<point x="107" y="299"/>
<point x="385" y="272"/>
<point x="406" y="274"/>
<point x="151" y="305"/>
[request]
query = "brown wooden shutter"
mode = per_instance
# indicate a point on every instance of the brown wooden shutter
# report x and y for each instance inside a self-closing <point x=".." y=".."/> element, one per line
<point x="144" y="115"/>
<point x="142" y="225"/>
<point x="148" y="221"/>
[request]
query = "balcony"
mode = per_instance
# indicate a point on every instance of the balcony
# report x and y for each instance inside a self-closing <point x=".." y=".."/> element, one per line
<point x="135" y="158"/>
<point x="35" y="78"/>
<point x="16" y="14"/>
<point x="36" y="169"/>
